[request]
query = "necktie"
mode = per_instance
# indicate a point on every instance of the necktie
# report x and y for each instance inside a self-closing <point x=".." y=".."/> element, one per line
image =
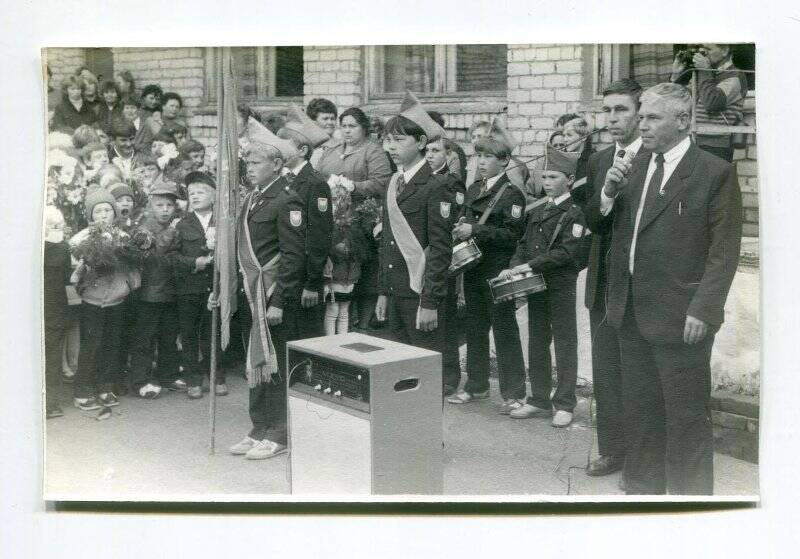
<point x="648" y="198"/>
<point x="290" y="177"/>
<point x="484" y="187"/>
<point x="401" y="184"/>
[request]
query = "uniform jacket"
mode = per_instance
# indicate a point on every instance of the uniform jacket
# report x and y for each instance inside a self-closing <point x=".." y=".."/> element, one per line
<point x="687" y="249"/>
<point x="427" y="205"/>
<point x="190" y="244"/>
<point x="277" y="224"/>
<point x="560" y="263"/>
<point x="158" y="282"/>
<point x="457" y="189"/>
<point x="580" y="193"/>
<point x="497" y="238"/>
<point x="316" y="195"/>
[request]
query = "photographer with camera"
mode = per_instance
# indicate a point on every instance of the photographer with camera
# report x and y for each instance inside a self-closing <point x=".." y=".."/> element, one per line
<point x="721" y="90"/>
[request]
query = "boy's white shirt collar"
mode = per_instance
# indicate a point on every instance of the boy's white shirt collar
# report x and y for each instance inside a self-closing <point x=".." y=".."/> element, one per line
<point x="409" y="174"/>
<point x="560" y="199"/>
<point x="492" y="181"/>
<point x="205" y="220"/>
<point x="297" y="168"/>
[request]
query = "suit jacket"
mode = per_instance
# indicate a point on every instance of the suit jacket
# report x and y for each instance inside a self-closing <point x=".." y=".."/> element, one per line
<point x="427" y="205"/>
<point x="497" y="238"/>
<point x="277" y="224"/>
<point x="687" y="249"/>
<point x="316" y="196"/>
<point x="190" y="244"/>
<point x="597" y="167"/>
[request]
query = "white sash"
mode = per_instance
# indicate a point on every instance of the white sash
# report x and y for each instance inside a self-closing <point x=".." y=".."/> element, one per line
<point x="405" y="238"/>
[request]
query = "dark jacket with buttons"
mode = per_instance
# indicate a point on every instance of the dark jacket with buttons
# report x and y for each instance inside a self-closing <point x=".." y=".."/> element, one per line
<point x="190" y="244"/>
<point x="277" y="224"/>
<point x="158" y="283"/>
<point x="456" y="187"/>
<point x="316" y="195"/>
<point x="497" y="238"/>
<point x="561" y="262"/>
<point x="427" y="205"/>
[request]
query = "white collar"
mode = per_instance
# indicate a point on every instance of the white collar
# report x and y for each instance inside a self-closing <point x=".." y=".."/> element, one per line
<point x="634" y="146"/>
<point x="676" y="153"/>
<point x="409" y="174"/>
<point x="444" y="166"/>
<point x="490" y="182"/>
<point x="205" y="220"/>
<point x="298" y="167"/>
<point x="557" y="201"/>
<point x="261" y="190"/>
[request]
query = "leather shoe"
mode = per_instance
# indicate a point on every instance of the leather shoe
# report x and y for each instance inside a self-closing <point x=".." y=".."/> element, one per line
<point x="605" y="465"/>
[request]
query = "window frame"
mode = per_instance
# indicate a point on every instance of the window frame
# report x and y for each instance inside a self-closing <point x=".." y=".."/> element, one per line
<point x="266" y="78"/>
<point x="444" y="78"/>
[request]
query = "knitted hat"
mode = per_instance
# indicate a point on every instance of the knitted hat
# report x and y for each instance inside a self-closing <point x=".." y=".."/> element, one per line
<point x="556" y="160"/>
<point x="164" y="187"/>
<point x="96" y="196"/>
<point x="120" y="189"/>
<point x="412" y="109"/>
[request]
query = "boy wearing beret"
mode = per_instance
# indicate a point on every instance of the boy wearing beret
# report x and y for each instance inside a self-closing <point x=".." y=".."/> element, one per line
<point x="555" y="245"/>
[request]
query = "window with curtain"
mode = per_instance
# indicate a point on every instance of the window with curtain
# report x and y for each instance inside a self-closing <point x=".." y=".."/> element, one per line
<point x="437" y="69"/>
<point x="261" y="72"/>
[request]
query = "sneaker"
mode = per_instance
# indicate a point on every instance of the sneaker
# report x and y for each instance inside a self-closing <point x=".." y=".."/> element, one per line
<point x="54" y="410"/>
<point x="265" y="449"/>
<point x="526" y="411"/>
<point x="108" y="399"/>
<point x="150" y="391"/>
<point x="221" y="389"/>
<point x="195" y="392"/>
<point x="86" y="404"/>
<point x="462" y="396"/>
<point x="562" y="418"/>
<point x="510" y="405"/>
<point x="178" y="385"/>
<point x="242" y="446"/>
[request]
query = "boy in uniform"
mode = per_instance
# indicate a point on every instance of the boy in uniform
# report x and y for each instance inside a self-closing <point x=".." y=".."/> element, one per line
<point x="416" y="247"/>
<point x="555" y="245"/>
<point x="493" y="215"/>
<point x="271" y="249"/>
<point x="313" y="189"/>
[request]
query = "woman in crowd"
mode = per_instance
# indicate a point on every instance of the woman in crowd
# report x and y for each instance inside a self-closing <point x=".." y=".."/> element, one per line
<point x="73" y="110"/>
<point x="91" y="95"/>
<point x="110" y="109"/>
<point x="324" y="113"/>
<point x="357" y="162"/>
<point x="577" y="140"/>
<point x="126" y="84"/>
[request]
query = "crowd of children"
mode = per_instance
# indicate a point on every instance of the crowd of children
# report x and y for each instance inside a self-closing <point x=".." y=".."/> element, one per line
<point x="130" y="224"/>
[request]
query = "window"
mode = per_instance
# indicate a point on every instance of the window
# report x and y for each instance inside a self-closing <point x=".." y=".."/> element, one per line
<point x="261" y="73"/>
<point x="611" y="62"/>
<point x="436" y="69"/>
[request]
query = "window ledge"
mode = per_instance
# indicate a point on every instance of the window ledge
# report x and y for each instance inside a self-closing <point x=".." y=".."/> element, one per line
<point x="261" y="105"/>
<point x="445" y="104"/>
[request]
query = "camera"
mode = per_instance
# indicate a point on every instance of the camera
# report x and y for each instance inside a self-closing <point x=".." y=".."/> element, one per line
<point x="686" y="56"/>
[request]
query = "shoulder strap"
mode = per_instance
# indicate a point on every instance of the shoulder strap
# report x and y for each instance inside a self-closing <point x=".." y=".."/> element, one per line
<point x="492" y="203"/>
<point x="559" y="225"/>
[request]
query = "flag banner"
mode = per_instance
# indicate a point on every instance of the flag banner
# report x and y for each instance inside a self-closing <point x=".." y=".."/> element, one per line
<point x="227" y="203"/>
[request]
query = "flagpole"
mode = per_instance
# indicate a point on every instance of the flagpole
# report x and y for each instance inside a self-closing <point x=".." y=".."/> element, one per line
<point x="212" y="373"/>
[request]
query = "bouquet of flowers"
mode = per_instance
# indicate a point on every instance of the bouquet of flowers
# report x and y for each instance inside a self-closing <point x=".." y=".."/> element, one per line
<point x="135" y="250"/>
<point x="103" y="250"/>
<point x="370" y="211"/>
<point x="66" y="190"/>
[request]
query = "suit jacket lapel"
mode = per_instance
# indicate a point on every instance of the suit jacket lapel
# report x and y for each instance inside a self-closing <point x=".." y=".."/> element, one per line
<point x="672" y="188"/>
<point x="421" y="177"/>
<point x="636" y="182"/>
<point x="492" y="191"/>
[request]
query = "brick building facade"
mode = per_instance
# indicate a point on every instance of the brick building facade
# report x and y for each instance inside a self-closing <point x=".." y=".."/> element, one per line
<point x="528" y="85"/>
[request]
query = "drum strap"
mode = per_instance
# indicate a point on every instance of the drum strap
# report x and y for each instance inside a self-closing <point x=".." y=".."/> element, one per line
<point x="559" y="225"/>
<point x="492" y="203"/>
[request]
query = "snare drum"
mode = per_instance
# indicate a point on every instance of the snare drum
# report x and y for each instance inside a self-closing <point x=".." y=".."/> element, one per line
<point x="464" y="255"/>
<point x="519" y="285"/>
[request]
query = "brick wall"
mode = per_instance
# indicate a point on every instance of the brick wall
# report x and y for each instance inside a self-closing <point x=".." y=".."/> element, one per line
<point x="62" y="63"/>
<point x="334" y="73"/>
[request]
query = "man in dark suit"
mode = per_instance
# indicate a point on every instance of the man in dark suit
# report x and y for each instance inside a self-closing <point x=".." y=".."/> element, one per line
<point x="316" y="195"/>
<point x="676" y="237"/>
<point x="621" y="107"/>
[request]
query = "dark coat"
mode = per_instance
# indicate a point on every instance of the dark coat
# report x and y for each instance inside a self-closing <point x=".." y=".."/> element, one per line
<point x="561" y="262"/>
<point x="316" y="195"/>
<point x="497" y="238"/>
<point x="67" y="119"/>
<point x="158" y="283"/>
<point x="580" y="193"/>
<point x="687" y="249"/>
<point x="277" y="224"/>
<point x="598" y="166"/>
<point x="427" y="205"/>
<point x="190" y="244"/>
<point x="57" y="272"/>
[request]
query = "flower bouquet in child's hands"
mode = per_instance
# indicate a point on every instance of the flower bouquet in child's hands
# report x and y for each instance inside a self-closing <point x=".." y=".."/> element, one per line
<point x="342" y="207"/>
<point x="370" y="211"/>
<point x="135" y="249"/>
<point x="100" y="250"/>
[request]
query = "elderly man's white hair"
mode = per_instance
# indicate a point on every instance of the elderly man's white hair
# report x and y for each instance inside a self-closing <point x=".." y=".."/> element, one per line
<point x="676" y="97"/>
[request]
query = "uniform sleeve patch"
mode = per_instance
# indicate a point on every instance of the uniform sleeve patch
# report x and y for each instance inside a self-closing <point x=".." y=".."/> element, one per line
<point x="322" y="205"/>
<point x="459" y="198"/>
<point x="577" y="230"/>
<point x="516" y="211"/>
<point x="296" y="218"/>
<point x="444" y="209"/>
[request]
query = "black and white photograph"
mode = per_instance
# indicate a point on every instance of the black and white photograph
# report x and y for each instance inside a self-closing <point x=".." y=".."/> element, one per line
<point x="404" y="272"/>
